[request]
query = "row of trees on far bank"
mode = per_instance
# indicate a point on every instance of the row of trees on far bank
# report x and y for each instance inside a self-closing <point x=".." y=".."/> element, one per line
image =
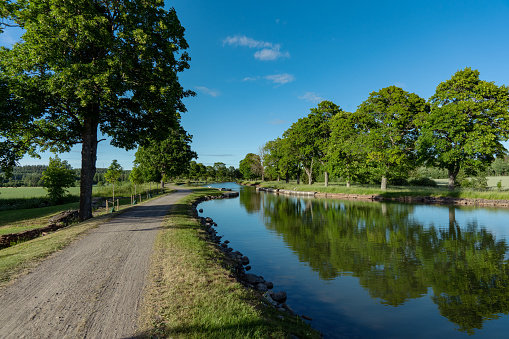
<point x="392" y="132"/>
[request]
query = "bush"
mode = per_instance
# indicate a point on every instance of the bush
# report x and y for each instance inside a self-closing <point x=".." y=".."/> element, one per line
<point x="478" y="182"/>
<point x="426" y="182"/>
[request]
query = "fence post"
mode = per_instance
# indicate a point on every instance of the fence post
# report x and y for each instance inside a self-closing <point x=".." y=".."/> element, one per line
<point x="118" y="204"/>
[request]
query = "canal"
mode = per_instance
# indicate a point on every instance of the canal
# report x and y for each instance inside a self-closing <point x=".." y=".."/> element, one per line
<point x="376" y="270"/>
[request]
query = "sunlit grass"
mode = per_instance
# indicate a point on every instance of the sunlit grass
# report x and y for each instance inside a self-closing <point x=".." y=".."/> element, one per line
<point x="397" y="191"/>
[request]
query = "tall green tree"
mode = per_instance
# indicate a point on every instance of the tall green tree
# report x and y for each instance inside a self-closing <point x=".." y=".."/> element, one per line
<point x="113" y="174"/>
<point x="85" y="66"/>
<point x="388" y="128"/>
<point x="468" y="121"/>
<point x="320" y="130"/>
<point x="307" y="138"/>
<point x="250" y="166"/>
<point x="57" y="177"/>
<point x="136" y="177"/>
<point x="346" y="156"/>
<point x="170" y="157"/>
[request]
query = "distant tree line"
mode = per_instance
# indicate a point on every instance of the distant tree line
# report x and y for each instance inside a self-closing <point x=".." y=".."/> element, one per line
<point x="395" y="136"/>
<point x="31" y="176"/>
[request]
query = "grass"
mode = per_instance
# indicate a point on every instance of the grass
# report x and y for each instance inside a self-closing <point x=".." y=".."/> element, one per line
<point x="193" y="294"/>
<point x="14" y="221"/>
<point x="29" y="192"/>
<point x="399" y="191"/>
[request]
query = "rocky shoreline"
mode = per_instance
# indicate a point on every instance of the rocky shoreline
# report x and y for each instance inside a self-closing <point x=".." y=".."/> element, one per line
<point x="240" y="265"/>
<point x="410" y="199"/>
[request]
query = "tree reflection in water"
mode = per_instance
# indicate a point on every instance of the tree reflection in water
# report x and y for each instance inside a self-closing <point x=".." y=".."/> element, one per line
<point x="395" y="257"/>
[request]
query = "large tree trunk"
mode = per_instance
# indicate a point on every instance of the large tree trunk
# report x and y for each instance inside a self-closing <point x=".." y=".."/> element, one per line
<point x="383" y="186"/>
<point x="326" y="174"/>
<point x="88" y="160"/>
<point x="452" y="177"/>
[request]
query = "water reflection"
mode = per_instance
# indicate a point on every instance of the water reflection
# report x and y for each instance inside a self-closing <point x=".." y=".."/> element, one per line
<point x="394" y="256"/>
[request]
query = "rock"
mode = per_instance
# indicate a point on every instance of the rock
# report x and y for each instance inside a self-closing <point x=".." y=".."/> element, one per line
<point x="200" y="210"/>
<point x="253" y="279"/>
<point x="306" y="317"/>
<point x="279" y="297"/>
<point x="288" y="308"/>
<point x="269" y="299"/>
<point x="261" y="287"/>
<point x="269" y="285"/>
<point x="247" y="268"/>
<point x="227" y="241"/>
<point x="245" y="260"/>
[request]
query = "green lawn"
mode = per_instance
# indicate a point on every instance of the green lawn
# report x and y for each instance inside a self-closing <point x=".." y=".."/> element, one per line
<point x="29" y="192"/>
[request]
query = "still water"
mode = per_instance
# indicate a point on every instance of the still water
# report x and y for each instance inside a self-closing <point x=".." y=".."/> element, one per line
<point x="376" y="270"/>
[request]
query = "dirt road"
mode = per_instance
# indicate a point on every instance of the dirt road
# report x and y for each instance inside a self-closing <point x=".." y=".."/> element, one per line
<point x="91" y="289"/>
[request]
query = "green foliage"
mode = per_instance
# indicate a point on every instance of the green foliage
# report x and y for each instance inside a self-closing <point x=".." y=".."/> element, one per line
<point x="387" y="128"/>
<point x="113" y="174"/>
<point x="169" y="157"/>
<point x="425" y="182"/>
<point x="57" y="177"/>
<point x="83" y="66"/>
<point x="469" y="119"/>
<point x="250" y="166"/>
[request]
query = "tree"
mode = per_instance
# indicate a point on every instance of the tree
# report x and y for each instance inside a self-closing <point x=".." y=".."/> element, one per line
<point x="320" y="131"/>
<point x="469" y="119"/>
<point x="86" y="65"/>
<point x="113" y="174"/>
<point x="250" y="166"/>
<point x="272" y="160"/>
<point x="346" y="156"/>
<point x="221" y="171"/>
<point x="170" y="157"/>
<point x="388" y="128"/>
<point x="308" y="137"/>
<point x="57" y="177"/>
<point x="136" y="177"/>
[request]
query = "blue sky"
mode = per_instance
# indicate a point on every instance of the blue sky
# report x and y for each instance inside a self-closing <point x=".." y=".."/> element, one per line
<point x="259" y="66"/>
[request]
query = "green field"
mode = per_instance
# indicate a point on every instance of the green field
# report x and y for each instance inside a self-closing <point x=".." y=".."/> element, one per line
<point x="29" y="192"/>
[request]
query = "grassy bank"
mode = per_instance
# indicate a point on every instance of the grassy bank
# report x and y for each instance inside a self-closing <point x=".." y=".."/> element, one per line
<point x="193" y="294"/>
<point x="392" y="191"/>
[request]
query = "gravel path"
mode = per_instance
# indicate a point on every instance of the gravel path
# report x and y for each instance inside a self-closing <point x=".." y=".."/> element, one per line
<point x="91" y="289"/>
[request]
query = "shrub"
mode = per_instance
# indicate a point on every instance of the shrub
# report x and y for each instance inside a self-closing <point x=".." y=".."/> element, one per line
<point x="426" y="182"/>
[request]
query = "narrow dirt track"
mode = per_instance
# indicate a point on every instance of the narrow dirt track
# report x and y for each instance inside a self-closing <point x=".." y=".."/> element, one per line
<point x="94" y="287"/>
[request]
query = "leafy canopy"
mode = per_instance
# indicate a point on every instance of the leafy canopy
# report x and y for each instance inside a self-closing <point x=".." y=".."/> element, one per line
<point x="469" y="119"/>
<point x="85" y="66"/>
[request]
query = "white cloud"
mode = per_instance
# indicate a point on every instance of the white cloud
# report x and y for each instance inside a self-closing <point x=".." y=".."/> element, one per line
<point x="250" y="78"/>
<point x="208" y="91"/>
<point x="280" y="79"/>
<point x="310" y="96"/>
<point x="267" y="50"/>
<point x="271" y="54"/>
